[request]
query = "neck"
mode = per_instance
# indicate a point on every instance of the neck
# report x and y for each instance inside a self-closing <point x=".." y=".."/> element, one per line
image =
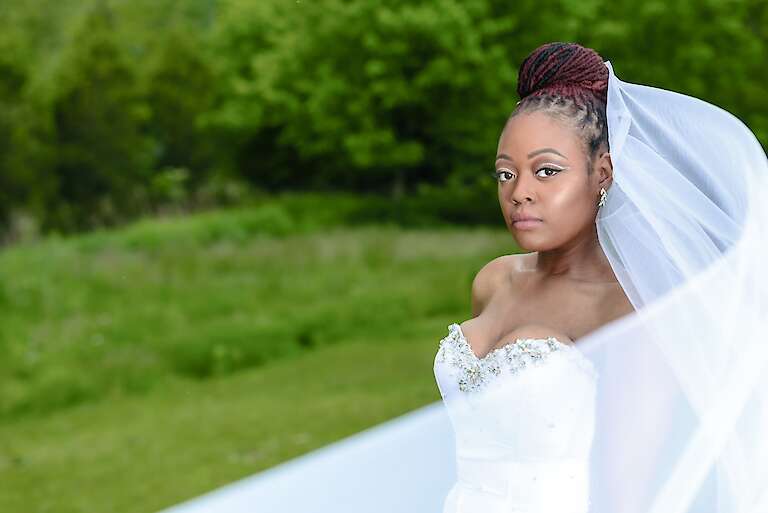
<point x="580" y="260"/>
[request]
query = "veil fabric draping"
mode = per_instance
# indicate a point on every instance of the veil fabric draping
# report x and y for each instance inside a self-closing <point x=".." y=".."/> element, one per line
<point x="681" y="405"/>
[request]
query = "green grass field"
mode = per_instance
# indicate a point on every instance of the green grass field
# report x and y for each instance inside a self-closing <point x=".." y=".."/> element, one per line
<point x="147" y="365"/>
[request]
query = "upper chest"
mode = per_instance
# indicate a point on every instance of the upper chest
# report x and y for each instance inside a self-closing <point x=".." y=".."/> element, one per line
<point x="572" y="309"/>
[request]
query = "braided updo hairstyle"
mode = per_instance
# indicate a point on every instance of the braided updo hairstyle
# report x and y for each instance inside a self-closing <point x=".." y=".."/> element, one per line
<point x="569" y="82"/>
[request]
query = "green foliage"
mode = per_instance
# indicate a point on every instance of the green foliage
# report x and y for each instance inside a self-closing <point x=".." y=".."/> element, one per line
<point x="98" y="113"/>
<point x="12" y="80"/>
<point x="714" y="50"/>
<point x="366" y="93"/>
<point x="112" y="109"/>
<point x="120" y="311"/>
<point x="180" y="86"/>
<point x="23" y="184"/>
<point x="123" y="455"/>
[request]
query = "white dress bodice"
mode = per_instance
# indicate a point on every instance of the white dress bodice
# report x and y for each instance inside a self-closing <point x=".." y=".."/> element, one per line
<point x="523" y="419"/>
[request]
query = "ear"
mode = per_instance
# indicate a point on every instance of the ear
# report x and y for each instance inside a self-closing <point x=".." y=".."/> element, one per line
<point x="604" y="169"/>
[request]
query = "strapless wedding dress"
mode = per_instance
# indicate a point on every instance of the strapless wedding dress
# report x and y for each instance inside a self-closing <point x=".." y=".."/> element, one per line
<point x="523" y="418"/>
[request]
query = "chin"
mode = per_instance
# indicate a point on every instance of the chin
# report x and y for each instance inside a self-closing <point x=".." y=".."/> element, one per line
<point x="527" y="243"/>
<point x="530" y="242"/>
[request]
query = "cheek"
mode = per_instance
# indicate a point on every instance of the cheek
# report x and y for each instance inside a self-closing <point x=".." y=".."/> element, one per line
<point x="570" y="205"/>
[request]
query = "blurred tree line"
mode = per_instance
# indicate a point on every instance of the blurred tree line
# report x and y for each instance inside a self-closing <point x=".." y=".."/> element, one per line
<point x="110" y="109"/>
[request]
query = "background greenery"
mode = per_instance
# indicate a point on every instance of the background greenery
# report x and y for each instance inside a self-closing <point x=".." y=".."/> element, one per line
<point x="112" y="109"/>
<point x="146" y="365"/>
<point x="115" y="312"/>
<point x="215" y="214"/>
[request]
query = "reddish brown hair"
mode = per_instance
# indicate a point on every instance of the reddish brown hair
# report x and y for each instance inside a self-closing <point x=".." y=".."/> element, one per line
<point x="569" y="82"/>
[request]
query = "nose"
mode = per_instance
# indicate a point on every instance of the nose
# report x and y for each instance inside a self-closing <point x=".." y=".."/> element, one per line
<point x="521" y="190"/>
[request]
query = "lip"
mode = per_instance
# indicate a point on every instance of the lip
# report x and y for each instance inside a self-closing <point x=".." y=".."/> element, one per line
<point x="526" y="224"/>
<point x="523" y="216"/>
<point x="522" y="221"/>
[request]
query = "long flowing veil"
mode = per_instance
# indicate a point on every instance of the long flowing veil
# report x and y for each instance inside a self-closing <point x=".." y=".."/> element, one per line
<point x="682" y="395"/>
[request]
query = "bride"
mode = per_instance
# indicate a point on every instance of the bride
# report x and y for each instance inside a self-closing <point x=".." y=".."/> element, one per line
<point x="619" y="365"/>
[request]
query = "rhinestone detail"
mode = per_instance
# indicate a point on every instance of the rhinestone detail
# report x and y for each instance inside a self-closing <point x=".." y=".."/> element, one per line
<point x="475" y="372"/>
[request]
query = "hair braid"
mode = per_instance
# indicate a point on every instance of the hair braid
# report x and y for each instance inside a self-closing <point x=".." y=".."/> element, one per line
<point x="569" y="82"/>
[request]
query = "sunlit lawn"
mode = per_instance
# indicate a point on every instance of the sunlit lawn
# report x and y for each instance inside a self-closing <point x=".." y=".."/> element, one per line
<point x="137" y="376"/>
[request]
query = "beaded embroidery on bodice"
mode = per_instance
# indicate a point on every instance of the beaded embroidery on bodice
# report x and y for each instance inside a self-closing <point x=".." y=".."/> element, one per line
<point x="475" y="372"/>
<point x="523" y="420"/>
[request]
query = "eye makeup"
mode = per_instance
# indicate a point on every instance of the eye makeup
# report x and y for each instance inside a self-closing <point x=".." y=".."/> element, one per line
<point x="504" y="174"/>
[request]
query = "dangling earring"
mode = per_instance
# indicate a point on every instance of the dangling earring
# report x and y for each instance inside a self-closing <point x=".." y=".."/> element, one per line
<point x="603" y="195"/>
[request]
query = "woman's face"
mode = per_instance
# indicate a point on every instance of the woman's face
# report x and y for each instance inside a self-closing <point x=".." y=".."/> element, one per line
<point x="541" y="169"/>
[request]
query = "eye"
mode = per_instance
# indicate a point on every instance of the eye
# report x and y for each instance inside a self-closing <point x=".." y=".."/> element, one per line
<point x="555" y="171"/>
<point x="503" y="175"/>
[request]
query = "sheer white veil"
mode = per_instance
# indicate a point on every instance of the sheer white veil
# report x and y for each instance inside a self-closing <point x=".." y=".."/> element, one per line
<point x="682" y="391"/>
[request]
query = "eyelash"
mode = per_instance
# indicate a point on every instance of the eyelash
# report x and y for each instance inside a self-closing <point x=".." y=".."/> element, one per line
<point x="497" y="174"/>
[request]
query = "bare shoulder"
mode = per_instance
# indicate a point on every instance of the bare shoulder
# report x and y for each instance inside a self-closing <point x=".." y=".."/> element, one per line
<point x="492" y="275"/>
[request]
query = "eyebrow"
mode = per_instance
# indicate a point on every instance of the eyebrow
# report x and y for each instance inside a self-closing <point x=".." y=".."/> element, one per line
<point x="533" y="153"/>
